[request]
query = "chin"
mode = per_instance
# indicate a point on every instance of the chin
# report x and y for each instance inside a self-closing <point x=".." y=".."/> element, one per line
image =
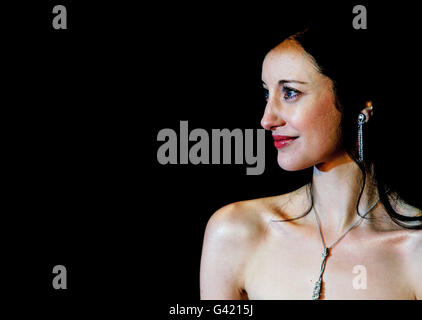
<point x="289" y="167"/>
<point x="291" y="164"/>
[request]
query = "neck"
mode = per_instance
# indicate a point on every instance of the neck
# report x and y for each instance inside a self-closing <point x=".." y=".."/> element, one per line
<point x="336" y="188"/>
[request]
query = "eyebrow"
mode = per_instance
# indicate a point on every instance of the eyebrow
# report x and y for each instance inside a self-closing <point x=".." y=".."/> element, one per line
<point x="287" y="81"/>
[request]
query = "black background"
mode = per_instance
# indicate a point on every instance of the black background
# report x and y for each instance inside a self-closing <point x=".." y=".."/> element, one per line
<point x="85" y="188"/>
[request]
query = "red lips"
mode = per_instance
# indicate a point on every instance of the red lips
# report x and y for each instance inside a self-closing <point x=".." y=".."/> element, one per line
<point x="282" y="141"/>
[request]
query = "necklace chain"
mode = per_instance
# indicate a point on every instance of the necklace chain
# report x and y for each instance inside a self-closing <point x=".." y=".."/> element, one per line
<point x="350" y="228"/>
<point x="325" y="253"/>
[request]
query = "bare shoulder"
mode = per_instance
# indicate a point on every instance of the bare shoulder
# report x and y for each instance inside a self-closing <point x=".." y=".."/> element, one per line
<point x="236" y="226"/>
<point x="412" y="248"/>
<point x="231" y="236"/>
<point x="246" y="221"/>
<point x="413" y="253"/>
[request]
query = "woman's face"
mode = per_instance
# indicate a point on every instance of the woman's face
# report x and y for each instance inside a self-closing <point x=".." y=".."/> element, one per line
<point x="301" y="104"/>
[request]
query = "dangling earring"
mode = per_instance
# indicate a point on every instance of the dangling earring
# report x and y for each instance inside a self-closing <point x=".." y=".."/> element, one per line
<point x="361" y="121"/>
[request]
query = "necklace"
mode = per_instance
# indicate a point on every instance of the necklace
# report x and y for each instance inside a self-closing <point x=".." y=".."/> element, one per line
<point x="318" y="284"/>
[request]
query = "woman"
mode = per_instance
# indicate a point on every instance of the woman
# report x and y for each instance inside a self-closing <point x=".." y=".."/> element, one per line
<point x="348" y="233"/>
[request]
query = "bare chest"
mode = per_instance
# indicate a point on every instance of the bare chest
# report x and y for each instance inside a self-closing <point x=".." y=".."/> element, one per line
<point x="288" y="267"/>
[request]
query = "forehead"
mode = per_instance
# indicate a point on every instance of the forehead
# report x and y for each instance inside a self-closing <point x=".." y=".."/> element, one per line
<point x="288" y="60"/>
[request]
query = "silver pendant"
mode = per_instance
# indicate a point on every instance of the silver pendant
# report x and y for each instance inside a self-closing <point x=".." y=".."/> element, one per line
<point x="317" y="288"/>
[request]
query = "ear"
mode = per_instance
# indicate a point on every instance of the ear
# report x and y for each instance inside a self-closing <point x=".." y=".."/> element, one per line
<point x="368" y="110"/>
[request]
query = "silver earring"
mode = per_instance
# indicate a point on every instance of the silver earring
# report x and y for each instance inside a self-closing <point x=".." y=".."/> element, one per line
<point x="361" y="121"/>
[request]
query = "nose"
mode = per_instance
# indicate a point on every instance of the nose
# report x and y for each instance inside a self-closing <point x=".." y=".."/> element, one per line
<point x="271" y="118"/>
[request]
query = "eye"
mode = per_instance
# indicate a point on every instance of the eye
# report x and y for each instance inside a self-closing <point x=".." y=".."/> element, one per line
<point x="290" y="94"/>
<point x="267" y="94"/>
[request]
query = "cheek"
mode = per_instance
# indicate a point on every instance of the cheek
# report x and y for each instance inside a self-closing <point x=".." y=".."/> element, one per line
<point x="325" y="127"/>
<point x="319" y="126"/>
<point x="318" y="139"/>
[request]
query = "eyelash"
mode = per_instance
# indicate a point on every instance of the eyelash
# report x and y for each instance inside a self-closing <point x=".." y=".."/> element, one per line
<point x="285" y="90"/>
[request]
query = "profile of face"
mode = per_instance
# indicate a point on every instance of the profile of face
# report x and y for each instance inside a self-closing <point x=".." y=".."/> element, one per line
<point x="301" y="105"/>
